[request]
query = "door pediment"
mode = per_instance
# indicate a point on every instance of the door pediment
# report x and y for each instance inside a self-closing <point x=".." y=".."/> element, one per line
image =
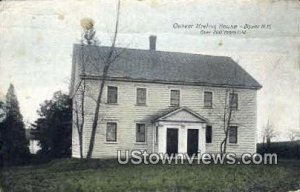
<point x="182" y="114"/>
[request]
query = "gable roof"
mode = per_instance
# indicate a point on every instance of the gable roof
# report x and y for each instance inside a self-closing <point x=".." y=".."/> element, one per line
<point x="162" y="67"/>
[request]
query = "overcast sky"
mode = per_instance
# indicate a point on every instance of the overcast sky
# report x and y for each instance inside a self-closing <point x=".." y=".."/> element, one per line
<point x="36" y="39"/>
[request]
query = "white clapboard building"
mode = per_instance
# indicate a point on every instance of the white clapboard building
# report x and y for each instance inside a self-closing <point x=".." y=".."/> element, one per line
<point x="165" y="102"/>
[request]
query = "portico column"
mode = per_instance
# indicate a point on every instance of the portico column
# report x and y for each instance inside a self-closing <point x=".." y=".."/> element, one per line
<point x="182" y="139"/>
<point x="202" y="138"/>
<point x="162" y="136"/>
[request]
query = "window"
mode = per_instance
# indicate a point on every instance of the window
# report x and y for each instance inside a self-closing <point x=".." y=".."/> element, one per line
<point x="233" y="134"/>
<point x="112" y="94"/>
<point x="111" y="132"/>
<point x="140" y="132"/>
<point x="175" y="97"/>
<point x="233" y="100"/>
<point x="208" y="99"/>
<point x="208" y="134"/>
<point x="141" y="96"/>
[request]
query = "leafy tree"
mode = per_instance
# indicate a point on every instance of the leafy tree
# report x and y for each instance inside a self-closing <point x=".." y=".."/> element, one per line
<point x="2" y="118"/>
<point x="2" y="111"/>
<point x="54" y="126"/>
<point x="14" y="149"/>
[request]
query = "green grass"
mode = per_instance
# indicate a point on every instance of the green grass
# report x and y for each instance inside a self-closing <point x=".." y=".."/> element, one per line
<point x="103" y="175"/>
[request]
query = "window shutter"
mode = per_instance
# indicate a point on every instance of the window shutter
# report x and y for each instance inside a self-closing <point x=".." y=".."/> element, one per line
<point x="156" y="134"/>
<point x="208" y="134"/>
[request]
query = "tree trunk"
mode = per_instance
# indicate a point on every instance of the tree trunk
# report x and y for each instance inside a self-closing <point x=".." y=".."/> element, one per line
<point x="80" y="125"/>
<point x="80" y="144"/>
<point x="268" y="140"/>
<point x="108" y="62"/>
<point x="95" y="121"/>
<point x="227" y="121"/>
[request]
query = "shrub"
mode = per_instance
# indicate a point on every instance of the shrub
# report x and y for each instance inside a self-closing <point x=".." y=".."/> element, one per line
<point x="284" y="150"/>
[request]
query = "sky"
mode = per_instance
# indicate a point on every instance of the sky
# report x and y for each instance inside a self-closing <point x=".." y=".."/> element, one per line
<point x="36" y="39"/>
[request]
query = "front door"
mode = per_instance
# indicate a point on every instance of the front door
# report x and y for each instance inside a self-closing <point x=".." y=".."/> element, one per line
<point x="172" y="141"/>
<point x="192" y="141"/>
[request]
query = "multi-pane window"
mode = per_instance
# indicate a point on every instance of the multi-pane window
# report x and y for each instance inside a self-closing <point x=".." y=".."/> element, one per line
<point x="233" y="134"/>
<point x="111" y="132"/>
<point x="233" y="100"/>
<point x="141" y="96"/>
<point x="112" y="94"/>
<point x="140" y="132"/>
<point x="175" y="98"/>
<point x="207" y="99"/>
<point x="208" y="134"/>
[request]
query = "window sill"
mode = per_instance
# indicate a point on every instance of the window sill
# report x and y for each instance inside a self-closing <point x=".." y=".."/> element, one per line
<point x="174" y="106"/>
<point x="111" y="142"/>
<point x="111" y="103"/>
<point x="140" y="143"/>
<point x="233" y="144"/>
<point x="141" y="105"/>
<point x="207" y="107"/>
<point x="209" y="144"/>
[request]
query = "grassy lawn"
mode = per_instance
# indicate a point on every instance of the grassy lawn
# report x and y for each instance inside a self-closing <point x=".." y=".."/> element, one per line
<point x="75" y="175"/>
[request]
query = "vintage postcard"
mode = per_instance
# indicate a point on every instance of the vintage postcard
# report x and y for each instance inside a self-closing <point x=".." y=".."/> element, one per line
<point x="150" y="95"/>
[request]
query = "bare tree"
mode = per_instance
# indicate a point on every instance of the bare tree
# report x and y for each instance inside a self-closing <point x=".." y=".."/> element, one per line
<point x="227" y="111"/>
<point x="268" y="133"/>
<point x="293" y="134"/>
<point x="78" y="110"/>
<point x="107" y="61"/>
<point x="88" y="37"/>
<point x="227" y="117"/>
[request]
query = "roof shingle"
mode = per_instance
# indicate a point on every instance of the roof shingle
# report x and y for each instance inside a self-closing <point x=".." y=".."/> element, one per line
<point x="164" y="67"/>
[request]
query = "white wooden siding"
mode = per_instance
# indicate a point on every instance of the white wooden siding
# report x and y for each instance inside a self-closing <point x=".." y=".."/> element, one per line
<point x="126" y="113"/>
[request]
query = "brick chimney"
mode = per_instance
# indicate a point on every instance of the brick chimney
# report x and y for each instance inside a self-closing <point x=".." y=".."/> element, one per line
<point x="152" y="42"/>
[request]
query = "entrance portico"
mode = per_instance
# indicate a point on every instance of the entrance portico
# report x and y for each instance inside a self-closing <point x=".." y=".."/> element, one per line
<point x="181" y="131"/>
